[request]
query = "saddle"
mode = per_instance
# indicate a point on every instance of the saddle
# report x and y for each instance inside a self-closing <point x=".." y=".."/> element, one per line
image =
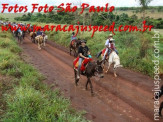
<point x="103" y="51"/>
<point x="107" y="54"/>
<point x="83" y="65"/>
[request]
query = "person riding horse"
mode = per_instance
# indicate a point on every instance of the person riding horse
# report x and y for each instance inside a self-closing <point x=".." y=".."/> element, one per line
<point x="74" y="44"/>
<point x="73" y="38"/>
<point x="85" y="66"/>
<point x="83" y="52"/>
<point x="39" y="33"/>
<point x="20" y="35"/>
<point x="110" y="45"/>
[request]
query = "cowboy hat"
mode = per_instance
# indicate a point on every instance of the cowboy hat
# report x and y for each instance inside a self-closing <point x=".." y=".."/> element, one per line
<point x="110" y="34"/>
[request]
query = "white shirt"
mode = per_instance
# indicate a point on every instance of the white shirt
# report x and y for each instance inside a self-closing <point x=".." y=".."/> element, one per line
<point x="107" y="43"/>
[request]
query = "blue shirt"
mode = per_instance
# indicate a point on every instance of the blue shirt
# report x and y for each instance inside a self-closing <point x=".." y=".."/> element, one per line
<point x="39" y="33"/>
<point x="19" y="30"/>
<point x="73" y="37"/>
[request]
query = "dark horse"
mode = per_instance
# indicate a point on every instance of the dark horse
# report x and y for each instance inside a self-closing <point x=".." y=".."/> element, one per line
<point x="92" y="69"/>
<point x="20" y="37"/>
<point x="74" y="46"/>
<point x="157" y="97"/>
<point x="24" y="32"/>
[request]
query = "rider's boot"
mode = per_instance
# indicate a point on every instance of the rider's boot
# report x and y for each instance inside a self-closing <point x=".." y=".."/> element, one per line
<point x="78" y="76"/>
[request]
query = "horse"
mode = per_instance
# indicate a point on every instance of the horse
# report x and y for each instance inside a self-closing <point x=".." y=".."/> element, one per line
<point x="14" y="33"/>
<point x="92" y="68"/>
<point x="20" y="37"/>
<point x="113" y="58"/>
<point x="45" y="39"/>
<point x="24" y="34"/>
<point x="39" y="39"/>
<point x="74" y="46"/>
<point x="33" y="35"/>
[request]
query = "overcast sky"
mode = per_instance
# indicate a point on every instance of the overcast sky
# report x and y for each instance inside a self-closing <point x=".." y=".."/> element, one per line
<point x="116" y="3"/>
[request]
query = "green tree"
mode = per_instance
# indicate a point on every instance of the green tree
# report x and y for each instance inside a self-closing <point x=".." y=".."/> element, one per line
<point x="144" y="5"/>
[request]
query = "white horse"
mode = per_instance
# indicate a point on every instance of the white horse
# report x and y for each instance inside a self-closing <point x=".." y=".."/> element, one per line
<point x="114" y="59"/>
<point x="45" y="39"/>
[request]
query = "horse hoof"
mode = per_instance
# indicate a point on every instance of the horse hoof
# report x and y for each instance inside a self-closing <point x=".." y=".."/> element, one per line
<point x="106" y="72"/>
<point x="115" y="75"/>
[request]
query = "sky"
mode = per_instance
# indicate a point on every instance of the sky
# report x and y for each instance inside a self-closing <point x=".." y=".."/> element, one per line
<point x="116" y="3"/>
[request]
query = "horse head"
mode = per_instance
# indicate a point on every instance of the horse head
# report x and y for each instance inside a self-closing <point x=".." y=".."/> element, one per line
<point x="99" y="69"/>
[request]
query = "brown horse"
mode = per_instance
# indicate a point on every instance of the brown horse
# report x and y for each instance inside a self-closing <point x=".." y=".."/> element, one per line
<point x="91" y="69"/>
<point x="33" y="35"/>
<point x="39" y="39"/>
<point x="74" y="46"/>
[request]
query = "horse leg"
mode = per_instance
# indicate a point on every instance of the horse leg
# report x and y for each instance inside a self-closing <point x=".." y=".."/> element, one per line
<point x="86" y="85"/>
<point x="74" y="53"/>
<point x="76" y="80"/>
<point x="115" y="75"/>
<point x="160" y="109"/>
<point x="41" y="43"/>
<point x="35" y="41"/>
<point x="18" y="39"/>
<point x="91" y="86"/>
<point x="44" y="43"/>
<point x="103" y="65"/>
<point x="23" y="35"/>
<point x="108" y="68"/>
<point x="39" y="47"/>
<point x="21" y="40"/>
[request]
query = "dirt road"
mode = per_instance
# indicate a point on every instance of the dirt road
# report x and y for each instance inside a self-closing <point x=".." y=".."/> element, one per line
<point x="127" y="98"/>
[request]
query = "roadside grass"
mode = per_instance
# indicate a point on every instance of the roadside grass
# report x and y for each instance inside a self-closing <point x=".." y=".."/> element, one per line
<point x="26" y="97"/>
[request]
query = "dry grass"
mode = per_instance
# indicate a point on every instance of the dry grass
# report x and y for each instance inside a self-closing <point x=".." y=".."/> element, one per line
<point x="153" y="14"/>
<point x="10" y="16"/>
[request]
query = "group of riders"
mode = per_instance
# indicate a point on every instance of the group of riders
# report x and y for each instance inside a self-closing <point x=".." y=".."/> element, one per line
<point x="81" y="47"/>
<point x="20" y="33"/>
<point x="84" y="53"/>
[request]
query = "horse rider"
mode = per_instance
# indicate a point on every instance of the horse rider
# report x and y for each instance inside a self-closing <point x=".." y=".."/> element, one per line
<point x="83" y="52"/>
<point x="39" y="33"/>
<point x="110" y="45"/>
<point x="73" y="37"/>
<point x="19" y="30"/>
